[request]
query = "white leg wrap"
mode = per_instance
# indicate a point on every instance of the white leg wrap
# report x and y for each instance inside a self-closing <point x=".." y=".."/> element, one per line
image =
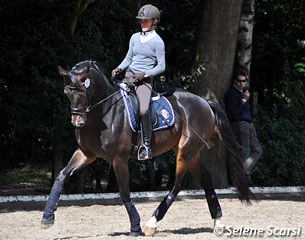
<point x="218" y="226"/>
<point x="217" y="222"/>
<point x="152" y="222"/>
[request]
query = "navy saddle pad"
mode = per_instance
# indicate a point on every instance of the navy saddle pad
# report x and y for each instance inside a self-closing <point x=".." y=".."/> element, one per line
<point x="162" y="114"/>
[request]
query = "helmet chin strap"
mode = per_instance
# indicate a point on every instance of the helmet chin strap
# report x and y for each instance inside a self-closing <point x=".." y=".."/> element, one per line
<point x="144" y="32"/>
<point x="152" y="27"/>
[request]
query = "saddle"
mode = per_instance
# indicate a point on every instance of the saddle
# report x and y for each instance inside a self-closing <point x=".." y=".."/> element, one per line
<point x="161" y="111"/>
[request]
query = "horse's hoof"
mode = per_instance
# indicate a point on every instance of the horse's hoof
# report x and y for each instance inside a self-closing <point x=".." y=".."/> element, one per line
<point x="47" y="223"/>
<point x="149" y="231"/>
<point x="136" y="234"/>
<point x="219" y="229"/>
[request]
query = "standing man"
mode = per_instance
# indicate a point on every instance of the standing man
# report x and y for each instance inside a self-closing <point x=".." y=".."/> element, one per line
<point x="238" y="111"/>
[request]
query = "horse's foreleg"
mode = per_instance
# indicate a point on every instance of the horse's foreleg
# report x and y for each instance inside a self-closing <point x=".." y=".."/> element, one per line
<point x="78" y="161"/>
<point x="134" y="218"/>
<point x="163" y="207"/>
<point x="205" y="178"/>
<point x="122" y="175"/>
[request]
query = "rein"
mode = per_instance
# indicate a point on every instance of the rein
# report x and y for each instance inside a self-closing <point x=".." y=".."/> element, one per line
<point x="89" y="108"/>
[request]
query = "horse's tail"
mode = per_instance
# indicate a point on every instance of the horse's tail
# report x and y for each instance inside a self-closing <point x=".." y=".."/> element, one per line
<point x="234" y="159"/>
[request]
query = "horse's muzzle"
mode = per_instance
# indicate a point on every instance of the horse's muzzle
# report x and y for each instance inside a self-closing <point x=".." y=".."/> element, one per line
<point x="78" y="120"/>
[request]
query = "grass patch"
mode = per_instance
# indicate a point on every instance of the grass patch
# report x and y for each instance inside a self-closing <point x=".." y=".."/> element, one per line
<point x="25" y="177"/>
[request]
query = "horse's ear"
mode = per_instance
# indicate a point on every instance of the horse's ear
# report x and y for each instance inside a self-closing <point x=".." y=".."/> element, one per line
<point x="62" y="71"/>
<point x="65" y="74"/>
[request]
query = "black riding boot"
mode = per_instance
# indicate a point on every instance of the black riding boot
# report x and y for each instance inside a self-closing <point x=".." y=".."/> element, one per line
<point x="145" y="150"/>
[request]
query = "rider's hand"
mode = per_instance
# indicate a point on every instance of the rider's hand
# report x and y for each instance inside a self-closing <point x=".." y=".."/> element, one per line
<point x="115" y="71"/>
<point x="138" y="77"/>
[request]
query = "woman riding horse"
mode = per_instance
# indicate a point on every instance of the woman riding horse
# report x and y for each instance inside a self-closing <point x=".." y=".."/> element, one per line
<point x="102" y="130"/>
<point x="145" y="58"/>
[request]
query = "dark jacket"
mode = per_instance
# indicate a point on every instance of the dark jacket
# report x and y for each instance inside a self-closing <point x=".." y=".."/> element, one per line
<point x="236" y="109"/>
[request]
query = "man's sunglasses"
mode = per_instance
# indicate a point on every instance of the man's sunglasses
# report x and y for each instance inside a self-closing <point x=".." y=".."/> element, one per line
<point x="239" y="80"/>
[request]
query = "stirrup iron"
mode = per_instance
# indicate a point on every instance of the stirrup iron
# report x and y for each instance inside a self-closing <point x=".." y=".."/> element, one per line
<point x="147" y="152"/>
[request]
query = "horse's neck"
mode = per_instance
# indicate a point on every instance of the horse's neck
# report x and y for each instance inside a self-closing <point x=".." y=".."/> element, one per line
<point x="104" y="88"/>
<point x="110" y="97"/>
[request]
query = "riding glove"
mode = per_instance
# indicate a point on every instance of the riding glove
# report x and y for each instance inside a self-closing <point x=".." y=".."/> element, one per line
<point x="116" y="71"/>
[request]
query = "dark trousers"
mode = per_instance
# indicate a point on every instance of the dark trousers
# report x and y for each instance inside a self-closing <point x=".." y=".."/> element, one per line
<point x="251" y="148"/>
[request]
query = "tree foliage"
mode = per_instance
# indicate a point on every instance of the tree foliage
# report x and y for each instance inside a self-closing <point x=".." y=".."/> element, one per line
<point x="38" y="35"/>
<point x="278" y="76"/>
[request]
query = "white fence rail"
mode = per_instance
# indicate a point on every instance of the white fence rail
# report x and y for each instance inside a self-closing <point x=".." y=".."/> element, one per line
<point x="109" y="196"/>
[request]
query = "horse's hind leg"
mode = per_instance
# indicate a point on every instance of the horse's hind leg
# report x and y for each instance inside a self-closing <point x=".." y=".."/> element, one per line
<point x="161" y="210"/>
<point x="205" y="179"/>
<point x="78" y="161"/>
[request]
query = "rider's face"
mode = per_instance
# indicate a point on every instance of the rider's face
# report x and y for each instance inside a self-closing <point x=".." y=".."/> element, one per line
<point x="146" y="24"/>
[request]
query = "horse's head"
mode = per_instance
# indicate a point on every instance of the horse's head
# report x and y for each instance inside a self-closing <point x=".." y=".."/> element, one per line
<point x="80" y="84"/>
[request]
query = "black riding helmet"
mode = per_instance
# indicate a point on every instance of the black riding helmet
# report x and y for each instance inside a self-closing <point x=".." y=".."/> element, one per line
<point x="149" y="11"/>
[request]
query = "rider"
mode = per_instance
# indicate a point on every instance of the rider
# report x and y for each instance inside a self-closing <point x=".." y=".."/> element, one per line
<point x="145" y="58"/>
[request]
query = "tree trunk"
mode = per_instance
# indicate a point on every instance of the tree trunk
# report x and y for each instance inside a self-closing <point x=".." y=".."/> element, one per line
<point x="244" y="43"/>
<point x="79" y="7"/>
<point x="217" y="33"/>
<point x="216" y="41"/>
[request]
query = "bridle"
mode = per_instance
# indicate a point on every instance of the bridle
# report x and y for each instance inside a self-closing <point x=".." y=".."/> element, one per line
<point x="88" y="106"/>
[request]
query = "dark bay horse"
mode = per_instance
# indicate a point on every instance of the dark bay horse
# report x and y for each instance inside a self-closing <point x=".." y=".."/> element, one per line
<point x="102" y="130"/>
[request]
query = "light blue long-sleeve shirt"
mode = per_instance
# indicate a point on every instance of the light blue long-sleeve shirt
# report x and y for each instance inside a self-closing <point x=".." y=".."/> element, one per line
<point x="147" y="56"/>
